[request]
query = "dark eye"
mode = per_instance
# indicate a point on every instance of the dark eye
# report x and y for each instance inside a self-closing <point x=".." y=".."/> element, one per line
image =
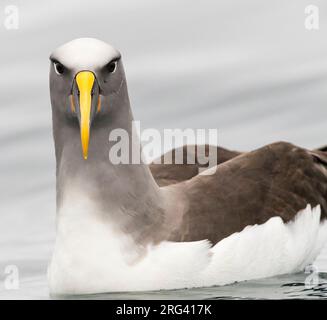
<point x="59" y="68"/>
<point x="111" y="67"/>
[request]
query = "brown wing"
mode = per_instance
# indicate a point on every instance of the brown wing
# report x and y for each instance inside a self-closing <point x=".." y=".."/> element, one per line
<point x="323" y="149"/>
<point x="166" y="174"/>
<point x="277" y="180"/>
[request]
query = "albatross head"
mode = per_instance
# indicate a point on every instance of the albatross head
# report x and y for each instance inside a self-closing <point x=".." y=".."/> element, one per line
<point x="84" y="75"/>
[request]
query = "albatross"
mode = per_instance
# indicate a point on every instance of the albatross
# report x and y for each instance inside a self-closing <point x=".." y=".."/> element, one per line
<point x="121" y="227"/>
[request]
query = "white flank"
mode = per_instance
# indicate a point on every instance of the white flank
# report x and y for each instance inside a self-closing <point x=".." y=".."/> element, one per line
<point x="89" y="257"/>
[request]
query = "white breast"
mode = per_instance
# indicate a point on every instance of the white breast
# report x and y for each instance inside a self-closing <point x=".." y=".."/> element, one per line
<point x="92" y="257"/>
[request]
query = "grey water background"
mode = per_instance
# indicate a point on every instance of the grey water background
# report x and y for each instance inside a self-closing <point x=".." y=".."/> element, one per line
<point x="249" y="68"/>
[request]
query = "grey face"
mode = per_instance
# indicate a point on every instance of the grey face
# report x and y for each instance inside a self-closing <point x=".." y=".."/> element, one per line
<point x="83" y="74"/>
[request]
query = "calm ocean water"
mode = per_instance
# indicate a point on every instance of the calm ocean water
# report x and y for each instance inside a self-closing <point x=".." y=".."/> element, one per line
<point x="248" y="68"/>
<point x="295" y="286"/>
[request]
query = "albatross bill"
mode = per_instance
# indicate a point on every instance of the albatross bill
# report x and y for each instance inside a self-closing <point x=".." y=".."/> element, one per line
<point x="85" y="83"/>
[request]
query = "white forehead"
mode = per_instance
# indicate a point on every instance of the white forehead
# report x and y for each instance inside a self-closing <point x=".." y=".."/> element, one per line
<point x="85" y="53"/>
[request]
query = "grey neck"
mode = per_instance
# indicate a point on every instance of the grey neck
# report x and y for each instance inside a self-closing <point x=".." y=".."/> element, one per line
<point x="125" y="194"/>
